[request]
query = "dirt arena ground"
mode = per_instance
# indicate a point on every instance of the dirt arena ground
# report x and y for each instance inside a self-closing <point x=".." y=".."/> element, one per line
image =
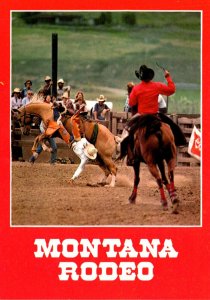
<point x="41" y="196"/>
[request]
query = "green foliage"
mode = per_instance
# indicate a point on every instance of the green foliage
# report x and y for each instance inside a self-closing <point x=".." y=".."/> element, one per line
<point x="129" y="18"/>
<point x="102" y="59"/>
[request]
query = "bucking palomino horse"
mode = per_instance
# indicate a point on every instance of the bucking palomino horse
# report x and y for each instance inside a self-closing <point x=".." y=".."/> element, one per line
<point x="97" y="134"/>
<point x="153" y="143"/>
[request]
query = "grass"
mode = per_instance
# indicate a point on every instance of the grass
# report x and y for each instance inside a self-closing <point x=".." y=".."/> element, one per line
<point x="101" y="60"/>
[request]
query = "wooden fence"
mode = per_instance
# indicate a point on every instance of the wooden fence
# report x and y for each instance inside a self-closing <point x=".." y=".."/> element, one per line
<point x="21" y="145"/>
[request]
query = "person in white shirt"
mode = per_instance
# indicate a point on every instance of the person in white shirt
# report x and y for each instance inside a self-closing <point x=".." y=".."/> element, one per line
<point x="28" y="97"/>
<point x="162" y="107"/>
<point x="85" y="151"/>
<point x="61" y="89"/>
<point x="16" y="100"/>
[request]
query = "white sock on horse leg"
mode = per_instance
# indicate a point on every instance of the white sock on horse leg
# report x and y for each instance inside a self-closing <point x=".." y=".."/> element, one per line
<point x="112" y="184"/>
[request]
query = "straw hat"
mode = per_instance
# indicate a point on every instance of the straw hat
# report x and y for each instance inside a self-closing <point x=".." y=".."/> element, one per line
<point x="47" y="78"/>
<point x="65" y="95"/>
<point x="101" y="98"/>
<point x="60" y="80"/>
<point x="90" y="151"/>
<point x="16" y="90"/>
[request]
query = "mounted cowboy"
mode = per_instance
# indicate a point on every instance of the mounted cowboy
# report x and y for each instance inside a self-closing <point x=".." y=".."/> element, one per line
<point x="145" y="97"/>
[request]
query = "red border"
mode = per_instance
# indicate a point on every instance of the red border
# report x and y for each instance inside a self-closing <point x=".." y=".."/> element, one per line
<point x="24" y="277"/>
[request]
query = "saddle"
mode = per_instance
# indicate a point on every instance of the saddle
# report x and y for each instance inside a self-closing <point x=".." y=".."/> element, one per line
<point x="151" y="122"/>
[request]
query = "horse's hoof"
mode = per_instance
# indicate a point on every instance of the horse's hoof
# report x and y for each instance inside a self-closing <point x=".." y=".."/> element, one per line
<point x="164" y="204"/>
<point x="109" y="185"/>
<point x="175" y="206"/>
<point x="132" y="200"/>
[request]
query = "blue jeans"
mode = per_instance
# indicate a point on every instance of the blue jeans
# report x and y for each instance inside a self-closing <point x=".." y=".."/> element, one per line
<point x="101" y="118"/>
<point x="54" y="150"/>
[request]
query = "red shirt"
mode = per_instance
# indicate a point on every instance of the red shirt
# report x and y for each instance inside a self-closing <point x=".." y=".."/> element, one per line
<point x="145" y="95"/>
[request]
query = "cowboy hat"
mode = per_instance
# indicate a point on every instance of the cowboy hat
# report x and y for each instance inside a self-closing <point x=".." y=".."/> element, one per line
<point x="65" y="95"/>
<point x="101" y="98"/>
<point x="90" y="151"/>
<point x="60" y="80"/>
<point x="47" y="78"/>
<point x="144" y="73"/>
<point x="16" y="90"/>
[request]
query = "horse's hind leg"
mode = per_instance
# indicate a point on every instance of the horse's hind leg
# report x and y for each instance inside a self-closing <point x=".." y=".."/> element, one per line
<point x="154" y="171"/>
<point x="171" y="189"/>
<point x="111" y="168"/>
<point x="106" y="173"/>
<point x="136" y="167"/>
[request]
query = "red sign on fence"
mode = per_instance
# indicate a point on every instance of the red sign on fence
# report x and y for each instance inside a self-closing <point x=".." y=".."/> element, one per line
<point x="194" y="147"/>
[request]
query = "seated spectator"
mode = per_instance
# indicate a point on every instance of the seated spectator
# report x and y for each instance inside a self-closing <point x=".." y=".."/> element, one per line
<point x="100" y="109"/>
<point x="61" y="89"/>
<point x="48" y="86"/>
<point x="80" y="103"/>
<point x="28" y="97"/>
<point x="16" y="100"/>
<point x="27" y="87"/>
<point x="68" y="104"/>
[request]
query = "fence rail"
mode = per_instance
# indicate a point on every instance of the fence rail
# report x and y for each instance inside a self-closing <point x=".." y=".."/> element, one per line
<point x="116" y="124"/>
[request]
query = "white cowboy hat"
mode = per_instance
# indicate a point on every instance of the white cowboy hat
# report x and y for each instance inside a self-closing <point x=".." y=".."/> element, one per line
<point x="65" y="95"/>
<point x="47" y="78"/>
<point x="101" y="98"/>
<point x="16" y="90"/>
<point x="60" y="80"/>
<point x="90" y="151"/>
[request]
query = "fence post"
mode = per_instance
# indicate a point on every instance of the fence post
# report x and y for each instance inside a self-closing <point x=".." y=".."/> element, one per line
<point x="54" y="63"/>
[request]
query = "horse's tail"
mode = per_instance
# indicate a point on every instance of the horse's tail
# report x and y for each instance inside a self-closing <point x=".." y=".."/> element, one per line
<point x="123" y="148"/>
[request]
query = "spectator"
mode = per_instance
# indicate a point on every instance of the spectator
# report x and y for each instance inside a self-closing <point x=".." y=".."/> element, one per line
<point x="68" y="104"/>
<point x="28" y="97"/>
<point x="47" y="87"/>
<point x="130" y="85"/>
<point x="61" y="89"/>
<point x="16" y="100"/>
<point x="100" y="109"/>
<point x="80" y="103"/>
<point x="27" y="87"/>
<point x="162" y="107"/>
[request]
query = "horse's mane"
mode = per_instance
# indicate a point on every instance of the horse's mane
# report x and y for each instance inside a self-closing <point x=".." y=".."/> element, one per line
<point x="37" y="99"/>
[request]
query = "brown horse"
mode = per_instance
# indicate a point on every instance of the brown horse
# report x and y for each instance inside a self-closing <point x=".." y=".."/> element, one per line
<point x="105" y="141"/>
<point x="153" y="143"/>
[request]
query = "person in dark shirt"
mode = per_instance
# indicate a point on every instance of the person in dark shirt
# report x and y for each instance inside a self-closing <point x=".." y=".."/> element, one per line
<point x="100" y="109"/>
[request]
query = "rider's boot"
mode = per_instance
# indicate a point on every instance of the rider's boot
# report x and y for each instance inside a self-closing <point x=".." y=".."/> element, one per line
<point x="33" y="157"/>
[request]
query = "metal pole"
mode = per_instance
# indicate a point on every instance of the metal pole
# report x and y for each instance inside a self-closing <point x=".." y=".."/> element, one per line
<point x="54" y="63"/>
